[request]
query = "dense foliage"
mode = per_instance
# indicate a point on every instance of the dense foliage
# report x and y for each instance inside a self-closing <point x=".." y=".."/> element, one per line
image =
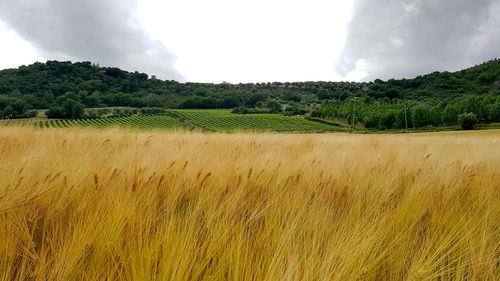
<point x="436" y="99"/>
<point x="50" y="84"/>
<point x="432" y="100"/>
<point x="399" y="113"/>
<point x="467" y="120"/>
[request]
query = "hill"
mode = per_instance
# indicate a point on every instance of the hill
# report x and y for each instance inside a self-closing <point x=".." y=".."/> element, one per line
<point x="67" y="85"/>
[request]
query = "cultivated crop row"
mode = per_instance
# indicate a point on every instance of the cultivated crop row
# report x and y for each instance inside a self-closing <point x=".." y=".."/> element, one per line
<point x="135" y="121"/>
<point x="223" y="120"/>
<point x="210" y="120"/>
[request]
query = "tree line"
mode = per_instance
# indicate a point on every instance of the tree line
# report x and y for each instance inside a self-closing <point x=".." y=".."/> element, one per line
<point x="398" y="113"/>
<point x="67" y="89"/>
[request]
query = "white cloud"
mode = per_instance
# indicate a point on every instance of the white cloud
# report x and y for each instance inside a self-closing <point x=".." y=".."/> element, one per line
<point x="420" y="36"/>
<point x="411" y="8"/>
<point x="240" y="41"/>
<point x="359" y="73"/>
<point x="254" y="41"/>
<point x="209" y="41"/>
<point x="14" y="51"/>
<point x="104" y="32"/>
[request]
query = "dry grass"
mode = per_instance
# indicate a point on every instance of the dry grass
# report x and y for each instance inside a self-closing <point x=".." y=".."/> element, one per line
<point x="81" y="204"/>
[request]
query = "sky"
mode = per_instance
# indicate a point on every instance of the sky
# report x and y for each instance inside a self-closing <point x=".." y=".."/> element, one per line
<point x="254" y="41"/>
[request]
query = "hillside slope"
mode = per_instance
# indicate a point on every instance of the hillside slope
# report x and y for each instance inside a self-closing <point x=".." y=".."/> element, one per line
<point x="50" y="84"/>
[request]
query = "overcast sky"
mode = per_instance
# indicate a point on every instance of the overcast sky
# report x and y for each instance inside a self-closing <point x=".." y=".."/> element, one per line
<point x="254" y="40"/>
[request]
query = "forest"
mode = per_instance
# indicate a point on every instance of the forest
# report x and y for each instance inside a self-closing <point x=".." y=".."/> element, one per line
<point x="435" y="99"/>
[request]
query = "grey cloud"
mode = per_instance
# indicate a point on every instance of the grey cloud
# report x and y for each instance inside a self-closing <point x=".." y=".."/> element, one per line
<point x="402" y="39"/>
<point x="101" y="31"/>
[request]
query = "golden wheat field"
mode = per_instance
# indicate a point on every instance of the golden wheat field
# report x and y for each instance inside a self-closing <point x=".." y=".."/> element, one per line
<point x="83" y="204"/>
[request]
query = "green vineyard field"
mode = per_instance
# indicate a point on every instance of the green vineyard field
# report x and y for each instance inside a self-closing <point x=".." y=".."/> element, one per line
<point x="134" y="121"/>
<point x="225" y="121"/>
<point x="206" y="120"/>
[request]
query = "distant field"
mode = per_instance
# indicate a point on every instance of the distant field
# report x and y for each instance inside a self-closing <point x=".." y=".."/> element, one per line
<point x="134" y="121"/>
<point x="225" y="121"/>
<point x="112" y="204"/>
<point x="208" y="120"/>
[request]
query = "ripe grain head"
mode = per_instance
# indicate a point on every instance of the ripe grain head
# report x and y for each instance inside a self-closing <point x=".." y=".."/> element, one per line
<point x="115" y="204"/>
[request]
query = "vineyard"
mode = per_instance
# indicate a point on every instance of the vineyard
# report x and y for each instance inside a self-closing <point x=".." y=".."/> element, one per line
<point x="206" y="120"/>
<point x="134" y="121"/>
<point x="225" y="121"/>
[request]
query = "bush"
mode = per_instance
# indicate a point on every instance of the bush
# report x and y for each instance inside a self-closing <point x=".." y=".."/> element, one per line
<point x="420" y="116"/>
<point x="54" y="112"/>
<point x="123" y="111"/>
<point x="91" y="113"/>
<point x="30" y="114"/>
<point x="387" y="121"/>
<point x="151" y="110"/>
<point x="494" y="112"/>
<point x="103" y="111"/>
<point x="8" y="112"/>
<point x="371" y="121"/>
<point x="245" y="110"/>
<point x="241" y="110"/>
<point x="294" y="110"/>
<point x="72" y="109"/>
<point x="273" y="105"/>
<point x="467" y="120"/>
<point x="402" y="119"/>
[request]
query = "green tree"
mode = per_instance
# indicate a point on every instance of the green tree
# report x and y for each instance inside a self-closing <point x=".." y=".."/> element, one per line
<point x="494" y="112"/>
<point x="467" y="120"/>
<point x="273" y="105"/>
<point x="420" y="116"/>
<point x="371" y="121"/>
<point x="387" y="121"/>
<point x="8" y="112"/>
<point x="73" y="109"/>
<point x="449" y="114"/>
<point x="435" y="113"/>
<point x="54" y="112"/>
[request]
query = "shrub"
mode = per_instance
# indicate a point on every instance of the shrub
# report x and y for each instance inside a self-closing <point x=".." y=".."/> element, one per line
<point x="494" y="112"/>
<point x="294" y="110"/>
<point x="467" y="120"/>
<point x="241" y="110"/>
<point x="8" y="112"/>
<point x="245" y="110"/>
<point x="151" y="110"/>
<point x="73" y="109"/>
<point x="420" y="116"/>
<point x="91" y="113"/>
<point x="371" y="121"/>
<point x="387" y="121"/>
<point x="30" y="114"/>
<point x="54" y="112"/>
<point x="124" y="111"/>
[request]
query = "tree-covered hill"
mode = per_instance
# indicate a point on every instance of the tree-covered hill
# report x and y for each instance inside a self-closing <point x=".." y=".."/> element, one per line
<point x="42" y="85"/>
<point x="63" y="84"/>
<point x="476" y="80"/>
